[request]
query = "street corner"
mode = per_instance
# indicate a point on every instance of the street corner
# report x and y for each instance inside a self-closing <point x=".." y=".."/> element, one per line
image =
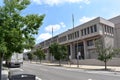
<point x="5" y="74"/>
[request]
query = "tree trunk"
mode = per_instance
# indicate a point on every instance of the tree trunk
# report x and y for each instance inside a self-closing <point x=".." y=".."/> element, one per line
<point x="0" y="66"/>
<point x="40" y="61"/>
<point x="105" y="65"/>
<point x="59" y="62"/>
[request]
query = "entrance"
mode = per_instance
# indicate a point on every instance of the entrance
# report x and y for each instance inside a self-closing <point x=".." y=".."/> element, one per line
<point x="79" y="48"/>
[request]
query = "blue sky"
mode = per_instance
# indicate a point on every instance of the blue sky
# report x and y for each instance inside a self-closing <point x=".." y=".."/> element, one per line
<point x="59" y="13"/>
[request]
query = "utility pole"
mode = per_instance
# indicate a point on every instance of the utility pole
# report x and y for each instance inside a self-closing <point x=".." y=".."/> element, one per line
<point x="70" y="56"/>
<point x="51" y="43"/>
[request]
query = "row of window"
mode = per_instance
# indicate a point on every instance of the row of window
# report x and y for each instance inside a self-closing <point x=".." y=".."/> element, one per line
<point x="108" y="29"/>
<point x="62" y="39"/>
<point x="73" y="35"/>
<point x="89" y="30"/>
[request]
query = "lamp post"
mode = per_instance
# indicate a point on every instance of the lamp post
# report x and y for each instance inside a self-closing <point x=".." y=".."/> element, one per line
<point x="78" y="55"/>
<point x="70" y="60"/>
<point x="51" y="56"/>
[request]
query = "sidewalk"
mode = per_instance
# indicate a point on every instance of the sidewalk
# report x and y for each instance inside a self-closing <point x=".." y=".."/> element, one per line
<point x="4" y="74"/>
<point x="86" y="67"/>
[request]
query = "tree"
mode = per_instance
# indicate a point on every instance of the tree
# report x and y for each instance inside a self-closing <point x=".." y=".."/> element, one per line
<point x="17" y="31"/>
<point x="30" y="56"/>
<point x="58" y="51"/>
<point x="105" y="54"/>
<point x="40" y="54"/>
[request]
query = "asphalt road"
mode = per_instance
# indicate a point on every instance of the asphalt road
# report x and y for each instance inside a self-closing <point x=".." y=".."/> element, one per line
<point x="60" y="73"/>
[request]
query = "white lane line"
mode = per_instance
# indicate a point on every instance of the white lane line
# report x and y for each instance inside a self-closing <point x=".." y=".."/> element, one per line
<point x="21" y="69"/>
<point x="37" y="78"/>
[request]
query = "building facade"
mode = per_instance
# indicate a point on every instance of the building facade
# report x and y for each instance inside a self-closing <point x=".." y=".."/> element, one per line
<point x="81" y="39"/>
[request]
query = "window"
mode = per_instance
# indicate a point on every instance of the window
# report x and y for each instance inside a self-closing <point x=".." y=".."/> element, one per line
<point x="108" y="29"/>
<point x="88" y="31"/>
<point x="112" y="31"/>
<point x="90" y="43"/>
<point x="76" y="34"/>
<point x="91" y="28"/>
<point x="95" y="28"/>
<point x="105" y="28"/>
<point x="82" y="32"/>
<point x="62" y="39"/>
<point x="85" y="31"/>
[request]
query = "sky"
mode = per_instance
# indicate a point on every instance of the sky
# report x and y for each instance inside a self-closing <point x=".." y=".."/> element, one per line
<point x="59" y="14"/>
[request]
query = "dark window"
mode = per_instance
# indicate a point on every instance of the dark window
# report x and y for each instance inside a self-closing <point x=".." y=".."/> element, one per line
<point x="91" y="28"/>
<point x="88" y="31"/>
<point x="82" y="32"/>
<point x="90" y="43"/>
<point x="85" y="31"/>
<point x="95" y="28"/>
<point x="77" y="33"/>
<point x="108" y="28"/>
<point x="105" y="28"/>
<point x="112" y="31"/>
<point x="72" y="36"/>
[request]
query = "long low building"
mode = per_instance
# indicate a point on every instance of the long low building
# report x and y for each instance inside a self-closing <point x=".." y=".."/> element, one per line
<point x="82" y="38"/>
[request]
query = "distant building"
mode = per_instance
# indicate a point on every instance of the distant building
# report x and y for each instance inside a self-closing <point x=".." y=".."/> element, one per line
<point x="82" y="38"/>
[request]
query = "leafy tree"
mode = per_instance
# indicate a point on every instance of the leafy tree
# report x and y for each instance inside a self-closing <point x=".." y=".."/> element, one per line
<point x="30" y="56"/>
<point x="51" y="50"/>
<point x="105" y="54"/>
<point x="59" y="51"/>
<point x="40" y="54"/>
<point x="16" y="31"/>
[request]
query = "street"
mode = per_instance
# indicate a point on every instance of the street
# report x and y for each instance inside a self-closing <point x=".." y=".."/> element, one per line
<point x="44" y="72"/>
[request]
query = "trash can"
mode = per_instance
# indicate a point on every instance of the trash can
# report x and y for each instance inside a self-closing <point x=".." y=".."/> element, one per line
<point x="22" y="77"/>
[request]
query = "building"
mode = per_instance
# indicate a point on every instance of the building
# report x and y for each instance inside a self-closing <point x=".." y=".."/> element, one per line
<point x="82" y="38"/>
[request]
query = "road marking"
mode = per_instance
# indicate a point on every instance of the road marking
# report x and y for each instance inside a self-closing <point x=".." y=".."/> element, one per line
<point x="21" y="69"/>
<point x="89" y="79"/>
<point x="37" y="78"/>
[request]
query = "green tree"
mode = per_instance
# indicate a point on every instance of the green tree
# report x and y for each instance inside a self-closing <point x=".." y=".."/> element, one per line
<point x="30" y="56"/>
<point x="105" y="54"/>
<point x="17" y="31"/>
<point x="40" y="54"/>
<point x="58" y="51"/>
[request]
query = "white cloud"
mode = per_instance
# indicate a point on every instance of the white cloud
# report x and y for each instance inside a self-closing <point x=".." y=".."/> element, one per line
<point x="43" y="36"/>
<point x="55" y="27"/>
<point x="56" y="2"/>
<point x="62" y="24"/>
<point x="85" y="19"/>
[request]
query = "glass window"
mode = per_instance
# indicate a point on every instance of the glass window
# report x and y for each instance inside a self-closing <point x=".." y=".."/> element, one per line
<point x="90" y="43"/>
<point x="91" y="28"/>
<point x="95" y="28"/>
<point x="81" y="32"/>
<point x="85" y="31"/>
<point x="88" y="31"/>
<point x="77" y="33"/>
<point x="105" y="28"/>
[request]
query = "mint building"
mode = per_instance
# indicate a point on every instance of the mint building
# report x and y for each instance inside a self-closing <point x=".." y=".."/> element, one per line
<point x="82" y="38"/>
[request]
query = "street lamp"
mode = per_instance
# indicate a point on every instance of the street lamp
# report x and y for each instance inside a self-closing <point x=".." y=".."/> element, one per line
<point x="78" y="55"/>
<point x="70" y="57"/>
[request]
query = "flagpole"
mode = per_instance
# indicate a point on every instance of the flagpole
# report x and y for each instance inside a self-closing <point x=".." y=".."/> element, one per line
<point x="73" y="20"/>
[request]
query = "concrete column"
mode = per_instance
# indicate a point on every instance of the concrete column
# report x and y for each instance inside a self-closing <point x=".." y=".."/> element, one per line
<point x="85" y="49"/>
